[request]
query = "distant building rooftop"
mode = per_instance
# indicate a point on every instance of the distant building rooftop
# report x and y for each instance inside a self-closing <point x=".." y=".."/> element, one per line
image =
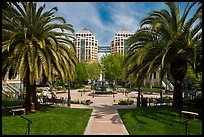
<point x="84" y="30"/>
<point x="124" y="31"/>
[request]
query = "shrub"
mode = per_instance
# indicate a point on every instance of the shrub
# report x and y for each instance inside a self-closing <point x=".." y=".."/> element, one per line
<point x="77" y="101"/>
<point x="125" y="102"/>
<point x="196" y="102"/>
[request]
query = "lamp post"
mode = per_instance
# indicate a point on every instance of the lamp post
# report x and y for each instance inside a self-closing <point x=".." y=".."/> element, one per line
<point x="69" y="96"/>
<point x="186" y="86"/>
<point x="138" y="97"/>
<point x="21" y="88"/>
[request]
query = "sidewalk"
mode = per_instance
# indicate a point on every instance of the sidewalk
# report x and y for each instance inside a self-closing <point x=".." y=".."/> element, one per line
<point x="104" y="119"/>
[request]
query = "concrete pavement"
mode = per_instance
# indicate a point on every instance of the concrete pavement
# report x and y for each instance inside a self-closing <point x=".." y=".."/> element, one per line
<point x="104" y="119"/>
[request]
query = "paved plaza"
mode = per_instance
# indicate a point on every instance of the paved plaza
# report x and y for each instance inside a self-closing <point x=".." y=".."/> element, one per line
<point x="104" y="119"/>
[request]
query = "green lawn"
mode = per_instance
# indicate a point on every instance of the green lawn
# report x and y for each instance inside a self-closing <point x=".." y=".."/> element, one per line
<point x="48" y="121"/>
<point x="157" y="120"/>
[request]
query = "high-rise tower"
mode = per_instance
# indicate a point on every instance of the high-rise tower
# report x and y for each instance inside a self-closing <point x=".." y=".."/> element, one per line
<point x="86" y="46"/>
<point x="119" y="42"/>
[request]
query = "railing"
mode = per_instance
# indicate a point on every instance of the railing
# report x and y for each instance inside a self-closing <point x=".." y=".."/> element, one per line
<point x="9" y="90"/>
<point x="6" y="91"/>
<point x="167" y="84"/>
<point x="13" y="88"/>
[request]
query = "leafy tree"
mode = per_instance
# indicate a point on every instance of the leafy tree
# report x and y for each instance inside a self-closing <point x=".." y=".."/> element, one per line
<point x="81" y="74"/>
<point x="194" y="79"/>
<point x="93" y="71"/>
<point x="113" y="66"/>
<point x="32" y="47"/>
<point x="166" y="39"/>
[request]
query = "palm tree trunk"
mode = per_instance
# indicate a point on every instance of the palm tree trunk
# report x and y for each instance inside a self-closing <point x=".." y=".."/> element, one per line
<point x="34" y="96"/>
<point x="28" y="95"/>
<point x="177" y="95"/>
<point x="31" y="96"/>
<point x="178" y="71"/>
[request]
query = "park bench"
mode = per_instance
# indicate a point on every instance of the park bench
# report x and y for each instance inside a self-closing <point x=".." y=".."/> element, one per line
<point x="188" y="114"/>
<point x="48" y="101"/>
<point x="14" y="109"/>
<point x="162" y="101"/>
<point x="51" y="101"/>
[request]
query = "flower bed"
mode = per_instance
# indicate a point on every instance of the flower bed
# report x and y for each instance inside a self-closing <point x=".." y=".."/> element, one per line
<point x="125" y="102"/>
<point x="85" y="102"/>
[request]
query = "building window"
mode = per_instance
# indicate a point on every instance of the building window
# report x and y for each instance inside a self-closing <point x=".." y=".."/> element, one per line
<point x="82" y="49"/>
<point x="88" y="54"/>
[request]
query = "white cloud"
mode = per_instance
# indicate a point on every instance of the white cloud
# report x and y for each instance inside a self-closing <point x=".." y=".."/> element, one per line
<point x="86" y="14"/>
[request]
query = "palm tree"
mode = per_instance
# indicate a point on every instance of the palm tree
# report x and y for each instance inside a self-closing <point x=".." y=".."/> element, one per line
<point x="166" y="40"/>
<point x="32" y="47"/>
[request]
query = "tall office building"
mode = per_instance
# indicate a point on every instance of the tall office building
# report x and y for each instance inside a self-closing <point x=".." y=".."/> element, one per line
<point x="86" y="46"/>
<point x="119" y="43"/>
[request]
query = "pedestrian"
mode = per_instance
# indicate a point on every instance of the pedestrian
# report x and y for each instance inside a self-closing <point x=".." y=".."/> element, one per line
<point x="44" y="95"/>
<point x="53" y="97"/>
<point x="142" y="93"/>
<point x="161" y="94"/>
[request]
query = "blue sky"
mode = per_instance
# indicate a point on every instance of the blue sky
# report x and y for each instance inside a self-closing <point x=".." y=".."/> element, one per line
<point x="104" y="19"/>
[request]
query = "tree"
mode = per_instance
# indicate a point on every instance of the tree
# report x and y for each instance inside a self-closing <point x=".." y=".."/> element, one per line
<point x="194" y="79"/>
<point x="93" y="70"/>
<point x="113" y="66"/>
<point x="32" y="47"/>
<point x="81" y="73"/>
<point x="166" y="40"/>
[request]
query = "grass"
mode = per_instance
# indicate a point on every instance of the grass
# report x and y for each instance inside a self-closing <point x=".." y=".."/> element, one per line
<point x="10" y="101"/>
<point x="48" y="120"/>
<point x="158" y="120"/>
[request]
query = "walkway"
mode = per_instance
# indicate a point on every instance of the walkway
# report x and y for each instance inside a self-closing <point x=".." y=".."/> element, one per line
<point x="104" y="119"/>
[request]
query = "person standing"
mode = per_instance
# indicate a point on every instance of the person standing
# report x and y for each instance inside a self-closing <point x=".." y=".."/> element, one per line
<point x="44" y="96"/>
<point x="161" y="94"/>
<point x="142" y="93"/>
<point x="53" y="97"/>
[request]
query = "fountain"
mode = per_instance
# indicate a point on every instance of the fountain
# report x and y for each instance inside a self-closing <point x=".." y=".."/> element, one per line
<point x="101" y="87"/>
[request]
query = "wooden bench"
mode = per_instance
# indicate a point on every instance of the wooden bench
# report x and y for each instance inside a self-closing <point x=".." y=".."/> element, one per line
<point x="189" y="114"/>
<point x="162" y="101"/>
<point x="17" y="110"/>
<point x="14" y="109"/>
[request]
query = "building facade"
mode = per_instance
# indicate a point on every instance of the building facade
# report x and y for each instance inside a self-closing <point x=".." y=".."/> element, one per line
<point x="103" y="50"/>
<point x="119" y="43"/>
<point x="86" y="46"/>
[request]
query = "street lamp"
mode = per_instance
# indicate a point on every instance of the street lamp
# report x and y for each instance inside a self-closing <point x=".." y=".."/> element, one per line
<point x="93" y="93"/>
<point x="113" y="95"/>
<point x="186" y="86"/>
<point x="138" y="97"/>
<point x="69" y="96"/>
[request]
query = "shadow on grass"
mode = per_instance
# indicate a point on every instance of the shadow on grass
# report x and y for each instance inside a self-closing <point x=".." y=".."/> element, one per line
<point x="45" y="107"/>
<point x="163" y="114"/>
